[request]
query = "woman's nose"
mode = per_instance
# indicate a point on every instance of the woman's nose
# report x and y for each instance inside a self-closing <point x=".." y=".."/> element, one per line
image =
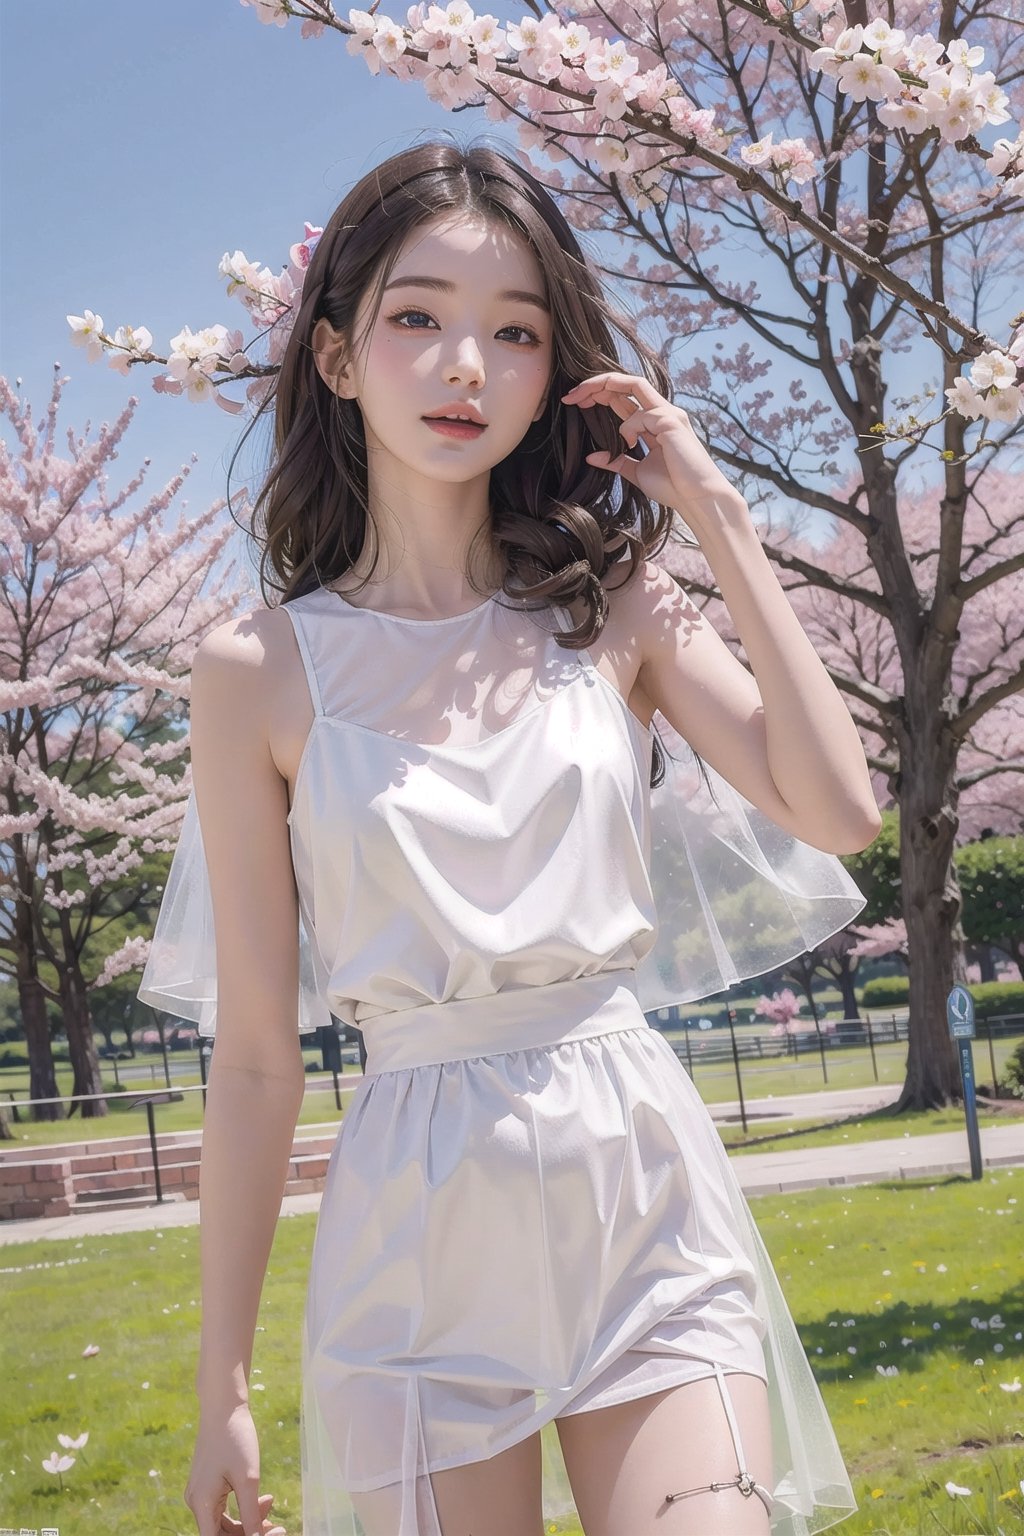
<point x="467" y="365"/>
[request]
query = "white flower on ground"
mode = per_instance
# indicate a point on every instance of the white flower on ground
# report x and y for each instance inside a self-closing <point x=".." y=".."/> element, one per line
<point x="955" y="1491"/>
<point x="74" y="1445"/>
<point x="55" y="1462"/>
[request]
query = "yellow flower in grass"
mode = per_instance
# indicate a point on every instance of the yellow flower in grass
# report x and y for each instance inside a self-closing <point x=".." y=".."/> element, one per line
<point x="878" y="1493"/>
<point x="859" y="1402"/>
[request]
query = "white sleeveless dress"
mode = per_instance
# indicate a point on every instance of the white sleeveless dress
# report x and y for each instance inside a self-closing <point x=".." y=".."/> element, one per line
<point x="528" y="1211"/>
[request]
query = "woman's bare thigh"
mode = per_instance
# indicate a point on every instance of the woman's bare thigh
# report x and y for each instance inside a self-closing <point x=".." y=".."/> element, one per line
<point x="623" y="1461"/>
<point x="500" y="1496"/>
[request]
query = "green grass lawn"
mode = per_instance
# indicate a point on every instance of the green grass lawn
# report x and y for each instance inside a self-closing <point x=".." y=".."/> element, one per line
<point x="849" y="1067"/>
<point x="913" y="1274"/>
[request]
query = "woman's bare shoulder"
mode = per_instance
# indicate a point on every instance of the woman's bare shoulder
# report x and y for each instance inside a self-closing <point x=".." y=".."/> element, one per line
<point x="248" y="639"/>
<point x="255" y="648"/>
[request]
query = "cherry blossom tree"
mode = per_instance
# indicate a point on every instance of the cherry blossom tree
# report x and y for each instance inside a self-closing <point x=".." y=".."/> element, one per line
<point x="927" y="642"/>
<point x="841" y="154"/>
<point x="780" y="1008"/>
<point x="102" y="609"/>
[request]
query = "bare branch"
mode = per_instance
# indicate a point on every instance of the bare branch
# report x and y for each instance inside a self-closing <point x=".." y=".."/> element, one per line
<point x="976" y="775"/>
<point x="967" y="719"/>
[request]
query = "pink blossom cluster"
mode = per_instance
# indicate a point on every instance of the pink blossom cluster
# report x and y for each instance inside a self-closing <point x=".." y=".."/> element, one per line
<point x="780" y="1007"/>
<point x="196" y="358"/>
<point x="993" y="389"/>
<point x="105" y="602"/>
<point x="917" y="88"/>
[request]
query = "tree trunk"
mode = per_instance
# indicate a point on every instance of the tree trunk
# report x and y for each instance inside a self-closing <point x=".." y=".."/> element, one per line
<point x="85" y="1059"/>
<point x="801" y="969"/>
<point x="42" y="1075"/>
<point x="931" y="908"/>
<point x="851" y="1009"/>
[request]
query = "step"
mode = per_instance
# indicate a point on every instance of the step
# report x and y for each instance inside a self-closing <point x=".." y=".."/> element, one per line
<point x="143" y="1197"/>
<point x="116" y="1175"/>
<point x="134" y="1177"/>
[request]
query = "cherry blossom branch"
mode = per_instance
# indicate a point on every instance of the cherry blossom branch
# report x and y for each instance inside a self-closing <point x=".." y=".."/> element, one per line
<point x="637" y="127"/>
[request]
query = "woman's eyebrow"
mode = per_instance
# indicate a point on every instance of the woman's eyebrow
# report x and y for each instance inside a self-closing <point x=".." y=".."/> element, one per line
<point x="442" y="285"/>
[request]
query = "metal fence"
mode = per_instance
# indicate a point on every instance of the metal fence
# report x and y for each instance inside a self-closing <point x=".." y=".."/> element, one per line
<point x="696" y="1049"/>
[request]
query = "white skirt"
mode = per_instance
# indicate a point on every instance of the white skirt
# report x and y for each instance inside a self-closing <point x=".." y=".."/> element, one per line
<point x="528" y="1212"/>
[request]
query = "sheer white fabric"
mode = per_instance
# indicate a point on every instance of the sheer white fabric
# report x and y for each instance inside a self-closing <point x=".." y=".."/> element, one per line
<point x="180" y="974"/>
<point x="528" y="1210"/>
<point x="727" y="894"/>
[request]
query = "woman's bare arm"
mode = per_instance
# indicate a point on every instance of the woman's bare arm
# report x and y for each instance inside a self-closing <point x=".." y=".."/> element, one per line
<point x="256" y="1077"/>
<point x="781" y="734"/>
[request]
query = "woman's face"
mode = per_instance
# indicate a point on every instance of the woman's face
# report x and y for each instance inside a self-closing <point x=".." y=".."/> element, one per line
<point x="463" y="323"/>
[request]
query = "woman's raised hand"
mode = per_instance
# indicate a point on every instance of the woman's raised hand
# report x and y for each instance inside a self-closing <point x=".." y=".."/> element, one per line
<point x="677" y="469"/>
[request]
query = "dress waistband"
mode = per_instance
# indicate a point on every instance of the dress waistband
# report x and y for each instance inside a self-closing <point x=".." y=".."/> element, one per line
<point x="515" y="1019"/>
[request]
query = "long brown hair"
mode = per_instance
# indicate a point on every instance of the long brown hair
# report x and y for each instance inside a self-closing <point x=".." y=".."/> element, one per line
<point x="561" y="525"/>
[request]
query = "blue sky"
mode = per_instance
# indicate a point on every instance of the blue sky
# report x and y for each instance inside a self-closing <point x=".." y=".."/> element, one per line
<point x="151" y="139"/>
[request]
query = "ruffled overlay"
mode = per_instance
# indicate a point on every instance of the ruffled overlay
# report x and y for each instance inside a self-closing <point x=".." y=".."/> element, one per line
<point x="736" y="896"/>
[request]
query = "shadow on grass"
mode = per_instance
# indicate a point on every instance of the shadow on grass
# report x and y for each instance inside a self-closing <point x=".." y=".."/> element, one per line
<point x="885" y="1117"/>
<point x="879" y="1332"/>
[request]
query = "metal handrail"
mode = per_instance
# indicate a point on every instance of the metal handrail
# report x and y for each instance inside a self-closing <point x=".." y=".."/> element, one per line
<point x="121" y="1093"/>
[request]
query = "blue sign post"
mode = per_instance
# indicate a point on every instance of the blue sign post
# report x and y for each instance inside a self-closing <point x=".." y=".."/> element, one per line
<point x="960" y="1017"/>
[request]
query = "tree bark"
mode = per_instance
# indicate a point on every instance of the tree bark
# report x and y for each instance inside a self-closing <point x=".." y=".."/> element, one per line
<point x="931" y="908"/>
<point x="42" y="1075"/>
<point x="851" y="1009"/>
<point x="85" y="1061"/>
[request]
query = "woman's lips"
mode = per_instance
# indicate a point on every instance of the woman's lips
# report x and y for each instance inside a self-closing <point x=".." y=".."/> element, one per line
<point x="454" y="428"/>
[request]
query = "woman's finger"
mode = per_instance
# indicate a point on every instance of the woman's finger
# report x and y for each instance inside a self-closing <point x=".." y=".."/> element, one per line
<point x="245" y="1527"/>
<point x="234" y="1527"/>
<point x="614" y="386"/>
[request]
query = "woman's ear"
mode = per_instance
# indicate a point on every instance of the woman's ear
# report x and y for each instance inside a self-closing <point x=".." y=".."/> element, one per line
<point x="330" y="352"/>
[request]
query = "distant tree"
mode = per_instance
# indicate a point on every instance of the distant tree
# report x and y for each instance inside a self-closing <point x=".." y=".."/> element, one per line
<point x="991" y="876"/>
<point x="102" y="609"/>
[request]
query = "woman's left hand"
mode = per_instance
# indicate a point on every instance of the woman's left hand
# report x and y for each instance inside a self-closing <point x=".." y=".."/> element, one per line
<point x="676" y="470"/>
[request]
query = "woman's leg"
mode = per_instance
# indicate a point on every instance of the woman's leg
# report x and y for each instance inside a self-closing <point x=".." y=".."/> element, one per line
<point x="500" y="1496"/>
<point x="497" y="1497"/>
<point x="643" y="1468"/>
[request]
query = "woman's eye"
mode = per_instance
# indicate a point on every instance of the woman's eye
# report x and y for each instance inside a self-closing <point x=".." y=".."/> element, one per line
<point x="532" y="338"/>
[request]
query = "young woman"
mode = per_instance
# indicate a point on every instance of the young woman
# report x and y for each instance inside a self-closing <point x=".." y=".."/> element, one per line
<point x="426" y="782"/>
